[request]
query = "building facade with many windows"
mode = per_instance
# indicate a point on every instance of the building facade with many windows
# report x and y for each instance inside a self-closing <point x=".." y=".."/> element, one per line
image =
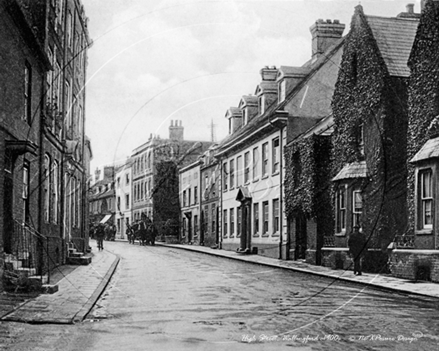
<point x="44" y="65"/>
<point x="123" y="214"/>
<point x="189" y="195"/>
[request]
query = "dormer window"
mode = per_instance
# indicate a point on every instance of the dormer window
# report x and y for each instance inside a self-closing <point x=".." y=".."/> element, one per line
<point x="261" y="104"/>
<point x="244" y="116"/>
<point x="282" y="91"/>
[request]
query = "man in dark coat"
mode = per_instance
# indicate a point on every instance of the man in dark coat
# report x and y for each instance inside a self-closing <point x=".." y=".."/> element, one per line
<point x="357" y="246"/>
<point x="100" y="234"/>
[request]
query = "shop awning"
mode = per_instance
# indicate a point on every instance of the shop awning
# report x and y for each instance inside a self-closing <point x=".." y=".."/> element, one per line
<point x="105" y="219"/>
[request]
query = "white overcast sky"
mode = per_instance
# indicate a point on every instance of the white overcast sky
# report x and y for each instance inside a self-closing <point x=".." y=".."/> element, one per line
<point x="153" y="61"/>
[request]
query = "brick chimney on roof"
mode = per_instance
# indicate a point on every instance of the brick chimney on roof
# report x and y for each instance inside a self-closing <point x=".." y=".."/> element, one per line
<point x="324" y="35"/>
<point x="97" y="174"/>
<point x="269" y="73"/>
<point x="176" y="130"/>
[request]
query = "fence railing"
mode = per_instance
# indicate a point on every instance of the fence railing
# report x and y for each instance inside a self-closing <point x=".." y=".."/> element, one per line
<point x="31" y="251"/>
<point x="404" y="241"/>
<point x="78" y="243"/>
<point x="329" y="241"/>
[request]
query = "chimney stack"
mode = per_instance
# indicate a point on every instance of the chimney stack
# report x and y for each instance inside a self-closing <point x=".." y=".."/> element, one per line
<point x="324" y="35"/>
<point x="176" y="131"/>
<point x="269" y="73"/>
<point x="97" y="174"/>
<point x="410" y="8"/>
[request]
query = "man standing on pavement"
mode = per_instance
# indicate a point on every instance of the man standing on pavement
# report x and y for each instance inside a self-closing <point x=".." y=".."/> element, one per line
<point x="100" y="234"/>
<point x="356" y="246"/>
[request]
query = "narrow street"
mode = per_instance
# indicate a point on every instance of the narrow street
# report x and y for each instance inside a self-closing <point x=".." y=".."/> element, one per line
<point x="168" y="299"/>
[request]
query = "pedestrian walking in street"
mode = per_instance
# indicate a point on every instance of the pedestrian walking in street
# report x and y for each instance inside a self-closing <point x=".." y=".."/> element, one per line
<point x="100" y="234"/>
<point x="356" y="246"/>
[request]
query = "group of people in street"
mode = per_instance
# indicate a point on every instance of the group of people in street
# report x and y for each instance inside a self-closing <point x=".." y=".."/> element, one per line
<point x="142" y="230"/>
<point x="145" y="231"/>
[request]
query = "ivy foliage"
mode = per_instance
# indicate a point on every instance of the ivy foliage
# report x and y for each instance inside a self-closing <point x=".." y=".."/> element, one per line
<point x="368" y="99"/>
<point x="307" y="180"/>
<point x="423" y="92"/>
<point x="166" y="194"/>
<point x="358" y="96"/>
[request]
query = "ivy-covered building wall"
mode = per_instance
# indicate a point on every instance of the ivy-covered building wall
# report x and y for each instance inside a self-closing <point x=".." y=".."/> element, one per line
<point x="308" y="195"/>
<point x="166" y="207"/>
<point x="423" y="99"/>
<point x="416" y="250"/>
<point x="370" y="115"/>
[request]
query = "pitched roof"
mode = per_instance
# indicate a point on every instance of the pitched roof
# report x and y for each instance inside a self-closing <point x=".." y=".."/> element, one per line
<point x="260" y="120"/>
<point x="352" y="170"/>
<point x="394" y="37"/>
<point x="429" y="150"/>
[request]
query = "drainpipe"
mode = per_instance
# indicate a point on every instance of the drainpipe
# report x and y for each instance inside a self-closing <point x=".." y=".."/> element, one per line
<point x="221" y="206"/>
<point x="281" y="195"/>
<point x="280" y="247"/>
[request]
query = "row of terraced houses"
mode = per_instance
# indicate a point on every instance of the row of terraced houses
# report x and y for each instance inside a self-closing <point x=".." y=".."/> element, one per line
<point x="44" y="152"/>
<point x="350" y="138"/>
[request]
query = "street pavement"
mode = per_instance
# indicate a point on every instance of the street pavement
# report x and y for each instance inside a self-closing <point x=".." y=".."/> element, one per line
<point x="380" y="281"/>
<point x="81" y="287"/>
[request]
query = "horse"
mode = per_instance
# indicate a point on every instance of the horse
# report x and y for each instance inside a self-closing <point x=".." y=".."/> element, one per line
<point x="131" y="233"/>
<point x="152" y="231"/>
<point x="145" y="231"/>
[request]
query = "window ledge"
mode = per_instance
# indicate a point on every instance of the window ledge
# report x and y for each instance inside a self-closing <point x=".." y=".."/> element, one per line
<point x="265" y="176"/>
<point x="277" y="234"/>
<point x="425" y="231"/>
<point x="256" y="235"/>
<point x="344" y="233"/>
<point x="275" y="173"/>
<point x="265" y="235"/>
<point x="255" y="180"/>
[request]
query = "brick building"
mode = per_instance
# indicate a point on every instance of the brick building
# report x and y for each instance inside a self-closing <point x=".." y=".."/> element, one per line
<point x="370" y="123"/>
<point x="189" y="191"/>
<point x="308" y="149"/>
<point x="44" y="151"/>
<point x="102" y="199"/>
<point x="155" y="187"/>
<point x="415" y="254"/>
<point x="209" y="198"/>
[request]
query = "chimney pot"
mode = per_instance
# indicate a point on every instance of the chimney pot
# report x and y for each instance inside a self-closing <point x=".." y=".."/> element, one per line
<point x="171" y="123"/>
<point x="410" y="8"/>
<point x="329" y="21"/>
<point x="324" y="35"/>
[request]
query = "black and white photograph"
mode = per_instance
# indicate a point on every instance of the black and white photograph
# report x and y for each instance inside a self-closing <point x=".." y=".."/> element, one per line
<point x="219" y="175"/>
